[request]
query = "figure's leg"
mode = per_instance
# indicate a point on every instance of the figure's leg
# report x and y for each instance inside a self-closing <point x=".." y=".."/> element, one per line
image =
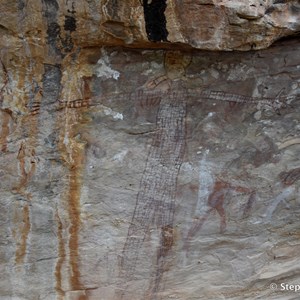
<point x="221" y="211"/>
<point x="196" y="226"/>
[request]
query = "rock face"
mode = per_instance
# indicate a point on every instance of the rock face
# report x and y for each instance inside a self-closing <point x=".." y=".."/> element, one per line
<point x="149" y="174"/>
<point x="202" y="24"/>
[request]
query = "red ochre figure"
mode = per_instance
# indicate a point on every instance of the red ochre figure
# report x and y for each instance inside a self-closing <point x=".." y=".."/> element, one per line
<point x="216" y="202"/>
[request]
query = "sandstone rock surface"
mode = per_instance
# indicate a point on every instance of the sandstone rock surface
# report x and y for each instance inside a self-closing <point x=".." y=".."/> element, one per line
<point x="202" y="24"/>
<point x="148" y="173"/>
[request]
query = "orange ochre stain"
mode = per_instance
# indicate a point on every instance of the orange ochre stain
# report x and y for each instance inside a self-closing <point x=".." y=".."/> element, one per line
<point x="74" y="215"/>
<point x="22" y="245"/>
<point x="75" y="166"/>
<point x="167" y="239"/>
<point x="4" y="131"/>
<point x="21" y="158"/>
<point x="61" y="258"/>
<point x="23" y="182"/>
<point x="87" y="94"/>
<point x="73" y="154"/>
<point x="26" y="154"/>
<point x="75" y="172"/>
<point x="25" y="175"/>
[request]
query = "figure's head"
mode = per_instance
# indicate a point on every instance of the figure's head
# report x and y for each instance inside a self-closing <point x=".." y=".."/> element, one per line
<point x="175" y="64"/>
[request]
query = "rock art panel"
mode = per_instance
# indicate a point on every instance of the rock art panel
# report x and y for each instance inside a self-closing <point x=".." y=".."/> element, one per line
<point x="154" y="174"/>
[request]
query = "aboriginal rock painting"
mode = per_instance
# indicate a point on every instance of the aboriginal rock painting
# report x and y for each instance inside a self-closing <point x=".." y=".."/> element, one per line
<point x="156" y="198"/>
<point x="160" y="113"/>
<point x="211" y="195"/>
<point x="288" y="191"/>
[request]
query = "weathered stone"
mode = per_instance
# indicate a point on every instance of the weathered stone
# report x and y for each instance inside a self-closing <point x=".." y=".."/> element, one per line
<point x="148" y="174"/>
<point x="173" y="175"/>
<point x="210" y="25"/>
